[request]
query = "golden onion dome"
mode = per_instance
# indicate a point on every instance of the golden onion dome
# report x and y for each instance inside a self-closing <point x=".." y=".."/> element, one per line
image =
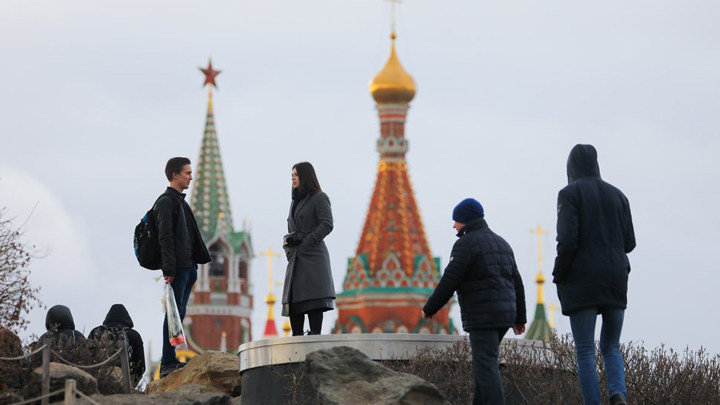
<point x="393" y="84"/>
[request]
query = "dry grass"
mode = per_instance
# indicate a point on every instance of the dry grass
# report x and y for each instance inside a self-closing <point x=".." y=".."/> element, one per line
<point x="547" y="374"/>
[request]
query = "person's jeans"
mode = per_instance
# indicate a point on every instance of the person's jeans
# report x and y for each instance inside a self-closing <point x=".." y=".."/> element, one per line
<point x="485" y="345"/>
<point x="182" y="287"/>
<point x="583" y="330"/>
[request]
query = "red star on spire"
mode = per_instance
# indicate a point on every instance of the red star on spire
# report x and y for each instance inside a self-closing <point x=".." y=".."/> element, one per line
<point x="210" y="74"/>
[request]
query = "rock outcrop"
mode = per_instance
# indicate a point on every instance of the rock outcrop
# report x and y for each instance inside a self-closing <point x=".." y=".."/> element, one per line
<point x="166" y="398"/>
<point x="85" y="383"/>
<point x="211" y="371"/>
<point x="345" y="376"/>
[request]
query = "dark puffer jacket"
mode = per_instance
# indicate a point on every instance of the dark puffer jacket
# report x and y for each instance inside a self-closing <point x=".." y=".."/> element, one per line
<point x="594" y="234"/>
<point x="181" y="245"/>
<point x="60" y="327"/>
<point x="482" y="270"/>
<point x="116" y="319"/>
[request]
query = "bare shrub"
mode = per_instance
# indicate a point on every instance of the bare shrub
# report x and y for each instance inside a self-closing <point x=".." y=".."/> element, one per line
<point x="664" y="376"/>
<point x="449" y="369"/>
<point x="546" y="373"/>
<point x="17" y="296"/>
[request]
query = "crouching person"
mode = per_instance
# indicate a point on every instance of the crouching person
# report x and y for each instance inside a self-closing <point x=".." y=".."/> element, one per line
<point x="60" y="327"/>
<point x="490" y="291"/>
<point x="118" y="324"/>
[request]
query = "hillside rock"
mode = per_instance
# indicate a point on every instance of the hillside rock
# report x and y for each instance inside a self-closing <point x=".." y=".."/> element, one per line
<point x="211" y="371"/>
<point x="165" y="398"/>
<point x="85" y="383"/>
<point x="345" y="376"/>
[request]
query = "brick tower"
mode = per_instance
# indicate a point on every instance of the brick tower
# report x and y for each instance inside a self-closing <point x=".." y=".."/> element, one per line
<point x="221" y="303"/>
<point x="393" y="271"/>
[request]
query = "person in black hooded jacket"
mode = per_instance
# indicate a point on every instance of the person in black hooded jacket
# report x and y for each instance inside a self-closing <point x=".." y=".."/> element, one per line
<point x="118" y="320"/>
<point x="491" y="294"/>
<point x="60" y="327"/>
<point x="594" y="234"/>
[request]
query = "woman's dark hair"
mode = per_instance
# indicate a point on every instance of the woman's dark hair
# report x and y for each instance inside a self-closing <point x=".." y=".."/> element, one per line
<point x="309" y="183"/>
<point x="175" y="165"/>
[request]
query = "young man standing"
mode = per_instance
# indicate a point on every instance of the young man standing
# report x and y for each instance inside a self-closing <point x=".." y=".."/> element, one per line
<point x="490" y="291"/>
<point x="181" y="247"/>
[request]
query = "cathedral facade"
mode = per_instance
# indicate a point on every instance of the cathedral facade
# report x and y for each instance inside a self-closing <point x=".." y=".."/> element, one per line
<point x="393" y="271"/>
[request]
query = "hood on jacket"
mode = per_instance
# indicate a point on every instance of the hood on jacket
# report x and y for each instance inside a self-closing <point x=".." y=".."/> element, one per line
<point x="582" y="162"/>
<point x="118" y="316"/>
<point x="473" y="225"/>
<point x="59" y="316"/>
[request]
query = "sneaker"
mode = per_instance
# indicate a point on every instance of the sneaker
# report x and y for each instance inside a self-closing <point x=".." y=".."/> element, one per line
<point x="166" y="369"/>
<point x="618" y="399"/>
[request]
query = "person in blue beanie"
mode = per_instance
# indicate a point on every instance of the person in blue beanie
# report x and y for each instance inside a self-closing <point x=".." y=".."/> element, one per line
<point x="483" y="271"/>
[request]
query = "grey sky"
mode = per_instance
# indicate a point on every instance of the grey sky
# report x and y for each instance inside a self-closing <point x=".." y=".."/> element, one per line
<point x="96" y="96"/>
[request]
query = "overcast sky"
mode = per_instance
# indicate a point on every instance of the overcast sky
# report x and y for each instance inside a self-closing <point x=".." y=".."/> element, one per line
<point x="97" y="95"/>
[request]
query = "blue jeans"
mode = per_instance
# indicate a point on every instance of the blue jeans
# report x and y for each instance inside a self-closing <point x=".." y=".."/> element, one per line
<point x="182" y="287"/>
<point x="583" y="330"/>
<point x="485" y="345"/>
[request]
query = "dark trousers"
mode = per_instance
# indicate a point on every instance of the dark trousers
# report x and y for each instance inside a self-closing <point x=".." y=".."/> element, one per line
<point x="485" y="346"/>
<point x="182" y="287"/>
<point x="315" y="318"/>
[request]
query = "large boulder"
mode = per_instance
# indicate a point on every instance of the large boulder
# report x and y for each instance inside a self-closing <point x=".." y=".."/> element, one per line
<point x="85" y="383"/>
<point x="345" y="376"/>
<point x="7" y="398"/>
<point x="165" y="398"/>
<point x="211" y="371"/>
<point x="10" y="371"/>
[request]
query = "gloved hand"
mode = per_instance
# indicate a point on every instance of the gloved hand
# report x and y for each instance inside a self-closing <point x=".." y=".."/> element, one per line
<point x="293" y="239"/>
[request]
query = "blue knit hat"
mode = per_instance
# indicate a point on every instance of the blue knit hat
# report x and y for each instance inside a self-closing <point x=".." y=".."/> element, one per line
<point x="468" y="210"/>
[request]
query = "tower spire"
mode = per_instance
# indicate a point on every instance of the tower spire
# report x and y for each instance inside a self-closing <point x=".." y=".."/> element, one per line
<point x="392" y="14"/>
<point x="270" y="327"/>
<point x="209" y="198"/>
<point x="539" y="329"/>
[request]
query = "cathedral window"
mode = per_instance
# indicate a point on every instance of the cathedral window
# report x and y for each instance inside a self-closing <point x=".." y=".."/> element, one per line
<point x="243" y="275"/>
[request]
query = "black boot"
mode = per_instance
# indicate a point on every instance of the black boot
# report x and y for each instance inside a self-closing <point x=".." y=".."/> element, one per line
<point x="618" y="399"/>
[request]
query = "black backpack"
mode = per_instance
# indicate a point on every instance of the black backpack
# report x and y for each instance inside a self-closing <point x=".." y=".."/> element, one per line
<point x="114" y="334"/>
<point x="145" y="241"/>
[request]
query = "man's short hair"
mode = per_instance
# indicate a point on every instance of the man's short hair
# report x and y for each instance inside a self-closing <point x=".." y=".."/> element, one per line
<point x="175" y="165"/>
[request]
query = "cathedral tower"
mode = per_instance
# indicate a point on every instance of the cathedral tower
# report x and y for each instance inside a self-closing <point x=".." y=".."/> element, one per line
<point x="393" y="271"/>
<point x="540" y="328"/>
<point x="221" y="304"/>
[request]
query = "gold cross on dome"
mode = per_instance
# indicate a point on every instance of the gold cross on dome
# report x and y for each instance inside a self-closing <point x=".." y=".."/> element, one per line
<point x="539" y="231"/>
<point x="270" y="253"/>
<point x="393" y="12"/>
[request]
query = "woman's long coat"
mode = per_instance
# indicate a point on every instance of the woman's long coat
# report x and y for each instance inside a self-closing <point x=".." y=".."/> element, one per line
<point x="308" y="273"/>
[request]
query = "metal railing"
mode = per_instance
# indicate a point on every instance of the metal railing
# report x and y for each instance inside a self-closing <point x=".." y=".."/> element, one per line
<point x="70" y="389"/>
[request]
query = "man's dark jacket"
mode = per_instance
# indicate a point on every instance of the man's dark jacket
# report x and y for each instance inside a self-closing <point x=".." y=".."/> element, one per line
<point x="482" y="270"/>
<point x="118" y="318"/>
<point x="60" y="327"/>
<point x="594" y="235"/>
<point x="181" y="245"/>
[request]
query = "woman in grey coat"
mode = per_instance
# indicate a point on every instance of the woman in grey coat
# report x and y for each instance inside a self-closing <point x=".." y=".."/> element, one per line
<point x="309" y="287"/>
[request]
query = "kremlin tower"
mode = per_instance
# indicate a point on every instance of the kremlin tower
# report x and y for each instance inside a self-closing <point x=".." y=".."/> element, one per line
<point x="270" y="326"/>
<point x="540" y="329"/>
<point x="220" y="308"/>
<point x="393" y="271"/>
